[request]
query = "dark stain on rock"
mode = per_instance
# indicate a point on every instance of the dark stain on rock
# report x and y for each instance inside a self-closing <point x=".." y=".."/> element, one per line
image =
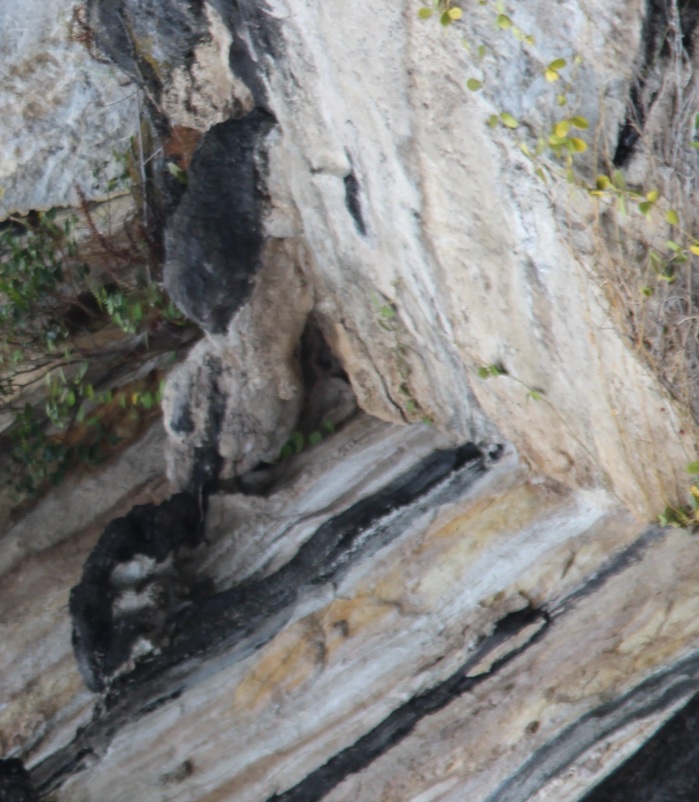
<point x="127" y="588"/>
<point x="664" y="769"/>
<point x="352" y="202"/>
<point x="15" y="782"/>
<point x="244" y="617"/>
<point x="214" y="240"/>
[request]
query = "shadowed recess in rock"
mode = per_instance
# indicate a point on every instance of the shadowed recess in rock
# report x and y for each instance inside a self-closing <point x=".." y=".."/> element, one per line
<point x="665" y="768"/>
<point x="403" y="720"/>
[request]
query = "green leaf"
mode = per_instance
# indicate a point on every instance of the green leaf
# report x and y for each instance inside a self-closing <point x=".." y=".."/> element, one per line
<point x="694" y="145"/>
<point x="315" y="438"/>
<point x="652" y="196"/>
<point x="618" y="179"/>
<point x="579" y="145"/>
<point x="693" y="468"/>
<point x="483" y="373"/>
<point x="474" y="84"/>
<point x="551" y="75"/>
<point x="557" y="64"/>
<point x="424" y="13"/>
<point x="561" y="128"/>
<point x="503" y="21"/>
<point x="672" y="217"/>
<point x="644" y="207"/>
<point x="328" y="425"/>
<point x="674" y="246"/>
<point x="508" y="120"/>
<point x="455" y="13"/>
<point x="298" y="441"/>
<point x="493" y="120"/>
<point x="535" y="395"/>
<point x="694" y="248"/>
<point x="580" y="122"/>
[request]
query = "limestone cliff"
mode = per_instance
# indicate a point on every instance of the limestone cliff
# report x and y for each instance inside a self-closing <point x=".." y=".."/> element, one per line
<point x="456" y="592"/>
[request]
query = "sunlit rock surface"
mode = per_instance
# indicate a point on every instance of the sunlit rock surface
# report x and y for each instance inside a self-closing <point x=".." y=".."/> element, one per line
<point x="472" y="607"/>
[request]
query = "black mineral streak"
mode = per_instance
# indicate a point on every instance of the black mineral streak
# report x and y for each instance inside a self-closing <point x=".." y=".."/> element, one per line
<point x="102" y="642"/>
<point x="664" y="769"/>
<point x="15" y="782"/>
<point x="352" y="202"/>
<point x="214" y="240"/>
<point x="656" y="45"/>
<point x="234" y="622"/>
<point x="402" y="722"/>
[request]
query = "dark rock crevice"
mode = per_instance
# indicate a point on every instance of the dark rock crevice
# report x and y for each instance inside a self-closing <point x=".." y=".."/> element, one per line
<point x="664" y="769"/>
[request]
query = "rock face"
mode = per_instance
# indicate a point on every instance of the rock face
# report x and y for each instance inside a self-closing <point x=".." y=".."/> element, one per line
<point x="470" y="607"/>
<point x="64" y="112"/>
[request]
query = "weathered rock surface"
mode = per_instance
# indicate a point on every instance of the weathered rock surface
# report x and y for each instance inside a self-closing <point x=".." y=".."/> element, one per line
<point x="236" y="399"/>
<point x="63" y="112"/>
<point x="481" y="638"/>
<point x="473" y="609"/>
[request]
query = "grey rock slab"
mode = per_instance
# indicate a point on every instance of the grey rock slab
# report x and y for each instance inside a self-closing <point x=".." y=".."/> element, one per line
<point x="62" y="113"/>
<point x="466" y="582"/>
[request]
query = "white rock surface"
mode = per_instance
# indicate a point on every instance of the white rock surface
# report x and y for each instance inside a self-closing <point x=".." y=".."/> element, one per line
<point x="63" y="112"/>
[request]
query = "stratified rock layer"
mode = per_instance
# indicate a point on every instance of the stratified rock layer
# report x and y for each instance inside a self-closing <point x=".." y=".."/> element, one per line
<point x="398" y="623"/>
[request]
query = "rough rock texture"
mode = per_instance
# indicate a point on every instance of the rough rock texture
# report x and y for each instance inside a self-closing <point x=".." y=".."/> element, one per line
<point x="414" y="627"/>
<point x="63" y="112"/>
<point x="475" y="609"/>
<point x="215" y="239"/>
<point x="236" y="399"/>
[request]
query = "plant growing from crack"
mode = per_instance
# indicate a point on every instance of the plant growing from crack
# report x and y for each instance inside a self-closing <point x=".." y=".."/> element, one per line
<point x="657" y="305"/>
<point x="299" y="442"/>
<point x="687" y="516"/>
